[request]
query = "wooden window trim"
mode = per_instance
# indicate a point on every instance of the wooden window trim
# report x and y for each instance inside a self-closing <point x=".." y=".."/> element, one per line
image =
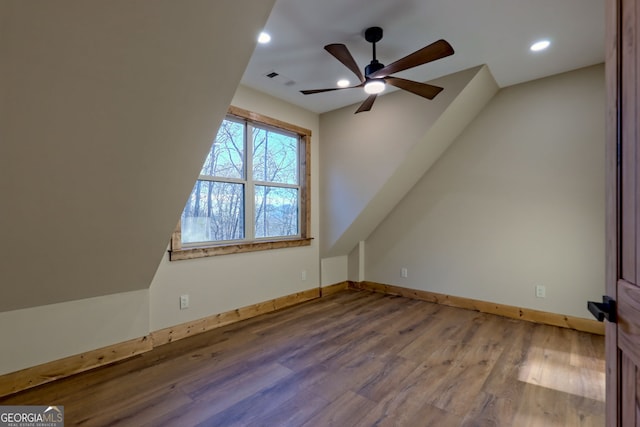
<point x="177" y="252"/>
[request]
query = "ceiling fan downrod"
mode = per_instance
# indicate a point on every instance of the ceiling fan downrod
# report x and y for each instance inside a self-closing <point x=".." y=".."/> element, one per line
<point x="373" y="35"/>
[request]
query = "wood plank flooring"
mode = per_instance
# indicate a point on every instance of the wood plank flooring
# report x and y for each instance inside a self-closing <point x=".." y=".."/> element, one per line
<point x="354" y="358"/>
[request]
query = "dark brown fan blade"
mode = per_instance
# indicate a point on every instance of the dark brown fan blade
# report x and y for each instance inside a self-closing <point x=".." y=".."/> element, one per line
<point x="437" y="50"/>
<point x="342" y="54"/>
<point x="424" y="90"/>
<point x="367" y="104"/>
<point x="312" y="91"/>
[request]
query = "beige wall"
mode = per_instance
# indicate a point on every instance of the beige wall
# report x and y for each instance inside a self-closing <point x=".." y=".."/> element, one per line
<point x="36" y="335"/>
<point x="216" y="284"/>
<point x="106" y="111"/>
<point x="371" y="160"/>
<point x="516" y="201"/>
<point x="227" y="282"/>
<point x="333" y="270"/>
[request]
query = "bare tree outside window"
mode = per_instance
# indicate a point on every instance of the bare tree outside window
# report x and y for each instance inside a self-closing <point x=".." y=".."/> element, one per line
<point x="275" y="161"/>
<point x="223" y="197"/>
<point x="252" y="193"/>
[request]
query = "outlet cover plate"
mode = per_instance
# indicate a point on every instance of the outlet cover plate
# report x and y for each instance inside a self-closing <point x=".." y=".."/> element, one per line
<point x="184" y="301"/>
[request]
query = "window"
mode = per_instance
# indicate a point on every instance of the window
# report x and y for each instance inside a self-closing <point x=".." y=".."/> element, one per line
<point x="252" y="193"/>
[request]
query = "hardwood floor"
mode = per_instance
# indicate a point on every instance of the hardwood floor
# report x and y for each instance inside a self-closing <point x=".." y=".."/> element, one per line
<point x="354" y="358"/>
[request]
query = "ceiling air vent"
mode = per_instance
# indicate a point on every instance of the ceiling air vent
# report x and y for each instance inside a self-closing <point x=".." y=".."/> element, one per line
<point x="277" y="77"/>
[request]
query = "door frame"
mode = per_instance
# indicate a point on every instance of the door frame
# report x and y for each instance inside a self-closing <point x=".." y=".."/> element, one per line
<point x="612" y="140"/>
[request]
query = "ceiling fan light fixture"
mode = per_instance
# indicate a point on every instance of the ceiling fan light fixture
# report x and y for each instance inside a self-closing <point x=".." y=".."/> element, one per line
<point x="343" y="83"/>
<point x="374" y="86"/>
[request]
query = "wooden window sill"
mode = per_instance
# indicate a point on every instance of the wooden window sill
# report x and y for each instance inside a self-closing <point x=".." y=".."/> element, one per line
<point x="207" y="251"/>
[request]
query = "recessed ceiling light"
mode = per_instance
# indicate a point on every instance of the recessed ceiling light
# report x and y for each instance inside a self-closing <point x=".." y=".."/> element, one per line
<point x="540" y="45"/>
<point x="343" y="83"/>
<point x="264" y="38"/>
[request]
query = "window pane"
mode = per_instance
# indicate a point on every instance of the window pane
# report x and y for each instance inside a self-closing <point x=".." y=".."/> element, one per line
<point x="276" y="211"/>
<point x="214" y="211"/>
<point x="275" y="157"/>
<point x="226" y="157"/>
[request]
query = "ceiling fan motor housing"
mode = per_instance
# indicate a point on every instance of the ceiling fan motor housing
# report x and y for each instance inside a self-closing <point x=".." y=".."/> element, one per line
<point x="372" y="68"/>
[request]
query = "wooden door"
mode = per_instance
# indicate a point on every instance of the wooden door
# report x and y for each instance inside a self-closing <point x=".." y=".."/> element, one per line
<point x="623" y="211"/>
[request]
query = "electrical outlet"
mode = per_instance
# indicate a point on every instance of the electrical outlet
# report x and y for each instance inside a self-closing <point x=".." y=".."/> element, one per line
<point x="404" y="272"/>
<point x="304" y="275"/>
<point x="184" y="301"/>
<point x="541" y="291"/>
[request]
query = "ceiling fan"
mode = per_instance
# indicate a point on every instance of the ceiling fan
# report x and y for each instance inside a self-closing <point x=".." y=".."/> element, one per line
<point x="377" y="76"/>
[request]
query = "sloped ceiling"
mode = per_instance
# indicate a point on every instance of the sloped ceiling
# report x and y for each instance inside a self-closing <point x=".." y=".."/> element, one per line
<point x="106" y="111"/>
<point x="370" y="161"/>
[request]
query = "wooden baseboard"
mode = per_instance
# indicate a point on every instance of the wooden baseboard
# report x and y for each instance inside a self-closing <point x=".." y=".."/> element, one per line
<point x="178" y="332"/>
<point x="577" y="323"/>
<point x="14" y="382"/>
<point x="333" y="289"/>
<point x="30" y="377"/>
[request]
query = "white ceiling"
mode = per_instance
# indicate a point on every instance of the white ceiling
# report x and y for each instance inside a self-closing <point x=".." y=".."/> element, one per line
<point x="493" y="32"/>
